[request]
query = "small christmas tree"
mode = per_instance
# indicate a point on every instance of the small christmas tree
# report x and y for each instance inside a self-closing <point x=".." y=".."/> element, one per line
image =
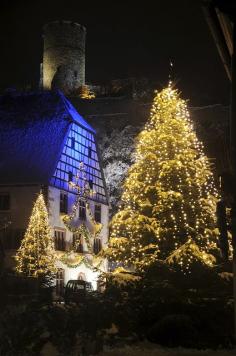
<point x="169" y="198"/>
<point x="36" y="255"/>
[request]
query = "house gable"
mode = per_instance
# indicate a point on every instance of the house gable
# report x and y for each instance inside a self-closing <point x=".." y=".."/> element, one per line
<point x="80" y="147"/>
<point x="36" y="134"/>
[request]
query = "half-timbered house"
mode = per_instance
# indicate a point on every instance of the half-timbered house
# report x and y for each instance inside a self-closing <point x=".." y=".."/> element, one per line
<point x="43" y="143"/>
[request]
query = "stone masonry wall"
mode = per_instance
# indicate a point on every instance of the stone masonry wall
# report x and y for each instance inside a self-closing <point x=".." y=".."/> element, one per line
<point x="64" y="56"/>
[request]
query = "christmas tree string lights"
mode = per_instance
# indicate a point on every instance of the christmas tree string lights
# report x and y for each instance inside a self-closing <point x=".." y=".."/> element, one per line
<point x="169" y="198"/>
<point x="36" y="255"/>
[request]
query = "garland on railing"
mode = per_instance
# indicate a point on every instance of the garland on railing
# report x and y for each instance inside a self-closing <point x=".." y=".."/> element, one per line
<point x="84" y="192"/>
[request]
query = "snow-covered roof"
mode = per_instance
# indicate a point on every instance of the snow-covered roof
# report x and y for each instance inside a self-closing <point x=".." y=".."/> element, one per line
<point x="33" y="129"/>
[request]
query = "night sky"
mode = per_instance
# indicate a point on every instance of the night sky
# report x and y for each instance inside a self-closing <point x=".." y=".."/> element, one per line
<point x="124" y="39"/>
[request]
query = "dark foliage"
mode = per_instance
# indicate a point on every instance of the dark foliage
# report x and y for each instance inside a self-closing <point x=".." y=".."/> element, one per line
<point x="20" y="331"/>
<point x="165" y="301"/>
<point x="174" y="330"/>
<point x="164" y="306"/>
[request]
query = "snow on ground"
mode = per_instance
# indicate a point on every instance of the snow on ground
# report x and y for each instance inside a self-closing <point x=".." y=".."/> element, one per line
<point x="146" y="349"/>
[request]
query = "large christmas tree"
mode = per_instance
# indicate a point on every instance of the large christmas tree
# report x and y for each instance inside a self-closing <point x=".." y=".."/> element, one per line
<point x="169" y="199"/>
<point x="36" y="255"/>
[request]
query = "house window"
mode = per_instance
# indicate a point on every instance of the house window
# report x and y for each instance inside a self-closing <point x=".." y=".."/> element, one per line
<point x="82" y="210"/>
<point x="75" y="73"/>
<point x="89" y="152"/>
<point x="63" y="203"/>
<point x="72" y="142"/>
<point x="97" y="213"/>
<point x="78" y="243"/>
<point x="60" y="277"/>
<point x="4" y="201"/>
<point x="70" y="176"/>
<point x="59" y="238"/>
<point x="97" y="245"/>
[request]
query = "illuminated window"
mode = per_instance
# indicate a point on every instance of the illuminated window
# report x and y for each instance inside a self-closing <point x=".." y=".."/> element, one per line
<point x="59" y="239"/>
<point x="4" y="201"/>
<point x="63" y="203"/>
<point x="97" y="213"/>
<point x="82" y="210"/>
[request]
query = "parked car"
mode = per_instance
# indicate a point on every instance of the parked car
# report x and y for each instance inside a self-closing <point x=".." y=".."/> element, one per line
<point x="77" y="290"/>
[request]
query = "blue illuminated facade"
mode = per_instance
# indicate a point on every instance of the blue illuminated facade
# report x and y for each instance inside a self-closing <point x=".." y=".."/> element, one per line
<point x="45" y="139"/>
<point x="80" y="146"/>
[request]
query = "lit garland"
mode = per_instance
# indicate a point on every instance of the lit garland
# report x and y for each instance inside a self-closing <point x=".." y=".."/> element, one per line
<point x="74" y="260"/>
<point x="36" y="255"/>
<point x="83" y="191"/>
<point x="169" y="198"/>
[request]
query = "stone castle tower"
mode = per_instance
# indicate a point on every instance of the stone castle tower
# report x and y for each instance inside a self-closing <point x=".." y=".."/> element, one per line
<point x="63" y="56"/>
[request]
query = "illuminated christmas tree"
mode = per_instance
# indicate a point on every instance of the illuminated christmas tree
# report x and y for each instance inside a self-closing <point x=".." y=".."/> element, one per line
<point x="169" y="199"/>
<point x="36" y="255"/>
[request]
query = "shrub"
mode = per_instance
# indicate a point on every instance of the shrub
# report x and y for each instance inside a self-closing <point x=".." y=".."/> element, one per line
<point x="20" y="331"/>
<point x="174" y="330"/>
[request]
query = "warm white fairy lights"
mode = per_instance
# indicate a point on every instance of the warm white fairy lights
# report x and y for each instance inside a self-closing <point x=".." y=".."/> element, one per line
<point x="83" y="193"/>
<point x="169" y="199"/>
<point x="36" y="255"/>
